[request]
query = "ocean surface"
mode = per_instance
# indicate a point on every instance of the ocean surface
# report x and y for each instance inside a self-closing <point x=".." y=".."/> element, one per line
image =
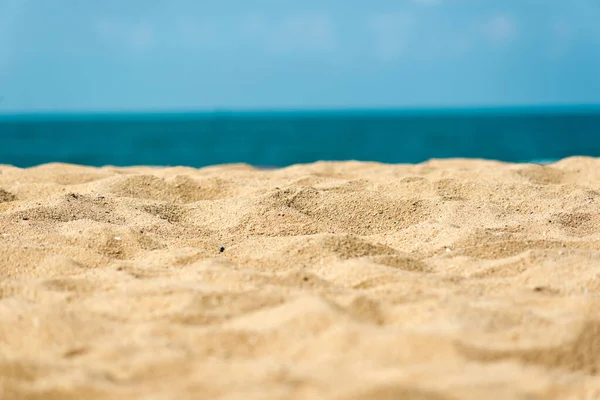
<point x="273" y="139"/>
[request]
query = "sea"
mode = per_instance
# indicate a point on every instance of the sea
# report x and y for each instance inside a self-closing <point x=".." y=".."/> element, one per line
<point x="281" y="138"/>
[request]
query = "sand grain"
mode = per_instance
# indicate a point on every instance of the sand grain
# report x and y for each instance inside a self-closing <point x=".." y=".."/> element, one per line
<point x="451" y="279"/>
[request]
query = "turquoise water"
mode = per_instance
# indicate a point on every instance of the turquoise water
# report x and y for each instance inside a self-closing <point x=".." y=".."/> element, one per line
<point x="280" y="139"/>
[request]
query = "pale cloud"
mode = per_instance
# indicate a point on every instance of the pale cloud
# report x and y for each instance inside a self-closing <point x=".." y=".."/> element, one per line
<point x="392" y="33"/>
<point x="450" y="46"/>
<point x="141" y="36"/>
<point x="11" y="13"/>
<point x="107" y="29"/>
<point x="198" y="33"/>
<point x="428" y="2"/>
<point x="561" y="39"/>
<point x="138" y="36"/>
<point x="304" y="32"/>
<point x="501" y="29"/>
<point x="254" y="24"/>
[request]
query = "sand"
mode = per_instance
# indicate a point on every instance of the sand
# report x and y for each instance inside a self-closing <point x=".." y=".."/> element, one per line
<point x="451" y="279"/>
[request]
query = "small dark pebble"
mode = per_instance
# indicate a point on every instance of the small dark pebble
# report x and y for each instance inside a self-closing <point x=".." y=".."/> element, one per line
<point x="25" y="219"/>
<point x="306" y="279"/>
<point x="222" y="249"/>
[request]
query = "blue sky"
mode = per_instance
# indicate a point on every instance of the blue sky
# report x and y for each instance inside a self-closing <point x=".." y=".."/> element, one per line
<point x="126" y="55"/>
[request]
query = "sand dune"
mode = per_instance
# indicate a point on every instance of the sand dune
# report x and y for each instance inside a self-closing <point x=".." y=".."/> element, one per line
<point x="451" y="279"/>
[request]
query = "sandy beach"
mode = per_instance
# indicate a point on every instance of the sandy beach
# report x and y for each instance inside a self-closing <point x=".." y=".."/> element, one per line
<point x="450" y="279"/>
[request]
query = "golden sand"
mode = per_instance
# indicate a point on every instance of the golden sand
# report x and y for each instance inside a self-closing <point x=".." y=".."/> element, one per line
<point x="455" y="279"/>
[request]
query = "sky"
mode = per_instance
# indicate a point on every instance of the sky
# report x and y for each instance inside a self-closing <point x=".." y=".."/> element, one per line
<point x="185" y="55"/>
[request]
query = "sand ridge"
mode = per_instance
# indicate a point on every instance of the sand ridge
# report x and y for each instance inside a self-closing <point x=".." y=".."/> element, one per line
<point x="450" y="279"/>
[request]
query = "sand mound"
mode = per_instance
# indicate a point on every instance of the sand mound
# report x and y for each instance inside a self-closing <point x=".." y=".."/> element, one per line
<point x="451" y="279"/>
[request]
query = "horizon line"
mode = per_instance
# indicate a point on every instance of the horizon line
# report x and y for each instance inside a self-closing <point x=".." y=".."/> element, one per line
<point x="274" y="112"/>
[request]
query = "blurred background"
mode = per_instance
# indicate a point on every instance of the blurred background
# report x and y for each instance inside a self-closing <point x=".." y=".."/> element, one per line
<point x="273" y="83"/>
